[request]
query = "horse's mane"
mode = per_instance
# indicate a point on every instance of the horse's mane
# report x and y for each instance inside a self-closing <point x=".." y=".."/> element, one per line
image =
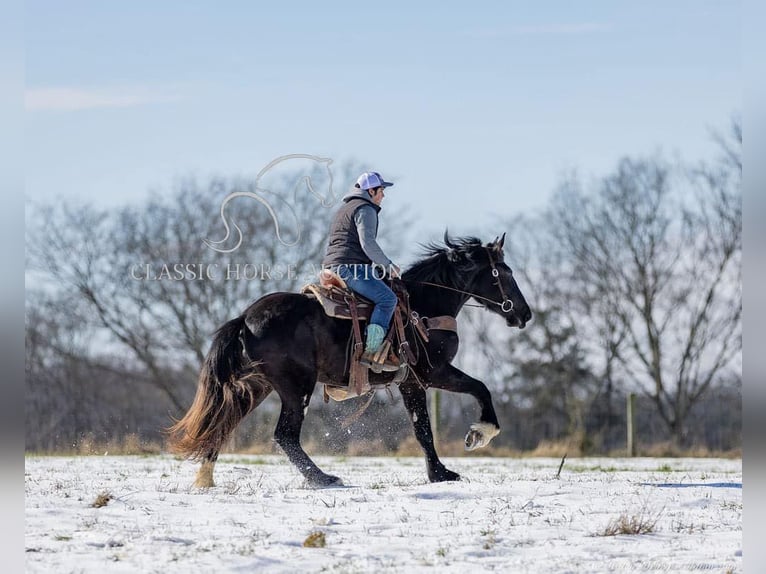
<point x="449" y="263"/>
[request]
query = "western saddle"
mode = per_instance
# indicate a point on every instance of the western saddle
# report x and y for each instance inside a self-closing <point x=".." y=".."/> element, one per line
<point x="340" y="302"/>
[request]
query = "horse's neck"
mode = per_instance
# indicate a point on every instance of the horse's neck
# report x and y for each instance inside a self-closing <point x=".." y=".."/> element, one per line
<point x="433" y="301"/>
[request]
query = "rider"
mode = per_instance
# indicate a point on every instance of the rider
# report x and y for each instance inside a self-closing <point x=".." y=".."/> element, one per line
<point x="354" y="254"/>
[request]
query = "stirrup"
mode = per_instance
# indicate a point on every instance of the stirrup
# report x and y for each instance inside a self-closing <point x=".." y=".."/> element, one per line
<point x="380" y="360"/>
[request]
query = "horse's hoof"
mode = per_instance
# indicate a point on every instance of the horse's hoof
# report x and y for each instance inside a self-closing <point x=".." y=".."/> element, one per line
<point x="480" y="435"/>
<point x="444" y="475"/>
<point x="473" y="440"/>
<point x="325" y="481"/>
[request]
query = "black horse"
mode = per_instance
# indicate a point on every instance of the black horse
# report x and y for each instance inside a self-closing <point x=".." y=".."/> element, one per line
<point x="285" y="342"/>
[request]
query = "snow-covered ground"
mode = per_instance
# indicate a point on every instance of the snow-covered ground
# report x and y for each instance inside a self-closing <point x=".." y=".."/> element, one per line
<point x="506" y="515"/>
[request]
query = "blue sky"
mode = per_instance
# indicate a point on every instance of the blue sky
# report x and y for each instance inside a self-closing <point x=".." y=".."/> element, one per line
<point x="473" y="109"/>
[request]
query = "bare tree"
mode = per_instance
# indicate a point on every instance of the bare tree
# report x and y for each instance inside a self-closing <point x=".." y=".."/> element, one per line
<point x="148" y="281"/>
<point x="548" y="369"/>
<point x="658" y="250"/>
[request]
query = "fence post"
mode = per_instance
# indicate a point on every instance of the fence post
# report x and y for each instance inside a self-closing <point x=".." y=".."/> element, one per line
<point x="631" y="424"/>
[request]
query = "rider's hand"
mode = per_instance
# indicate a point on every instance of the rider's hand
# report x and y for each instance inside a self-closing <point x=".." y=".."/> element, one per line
<point x="395" y="272"/>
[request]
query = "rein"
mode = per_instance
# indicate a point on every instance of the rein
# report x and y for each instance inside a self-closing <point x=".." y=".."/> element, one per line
<point x="506" y="306"/>
<point x="459" y="291"/>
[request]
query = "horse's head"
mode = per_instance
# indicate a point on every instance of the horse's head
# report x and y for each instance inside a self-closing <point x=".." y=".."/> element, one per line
<point x="493" y="285"/>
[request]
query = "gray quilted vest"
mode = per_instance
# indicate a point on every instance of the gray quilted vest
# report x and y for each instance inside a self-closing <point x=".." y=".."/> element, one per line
<point x="343" y="242"/>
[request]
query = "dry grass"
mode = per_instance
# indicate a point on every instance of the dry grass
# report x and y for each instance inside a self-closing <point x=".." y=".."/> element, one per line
<point x="373" y="447"/>
<point x="571" y="446"/>
<point x="669" y="450"/>
<point x="268" y="447"/>
<point x="454" y="448"/>
<point x="644" y="522"/>
<point x="102" y="499"/>
<point x="315" y="540"/>
<point x="130" y="444"/>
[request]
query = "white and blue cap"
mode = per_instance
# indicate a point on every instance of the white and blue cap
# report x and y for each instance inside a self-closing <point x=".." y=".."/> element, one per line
<point x="371" y="180"/>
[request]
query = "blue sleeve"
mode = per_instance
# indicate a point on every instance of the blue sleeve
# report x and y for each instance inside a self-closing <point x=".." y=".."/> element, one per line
<point x="367" y="226"/>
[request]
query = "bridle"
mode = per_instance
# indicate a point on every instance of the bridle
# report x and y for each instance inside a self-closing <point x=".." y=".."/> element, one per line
<point x="496" y="275"/>
<point x="506" y="306"/>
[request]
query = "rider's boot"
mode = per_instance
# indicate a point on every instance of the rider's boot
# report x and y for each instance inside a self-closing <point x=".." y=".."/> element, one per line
<point x="376" y="354"/>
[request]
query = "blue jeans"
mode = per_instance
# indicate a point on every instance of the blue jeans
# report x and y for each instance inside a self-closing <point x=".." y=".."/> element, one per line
<point x="362" y="280"/>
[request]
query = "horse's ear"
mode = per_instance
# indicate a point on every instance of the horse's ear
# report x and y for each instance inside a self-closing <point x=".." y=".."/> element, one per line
<point x="497" y="244"/>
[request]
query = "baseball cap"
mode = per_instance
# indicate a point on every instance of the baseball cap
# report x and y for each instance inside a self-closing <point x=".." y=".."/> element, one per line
<point x="372" y="179"/>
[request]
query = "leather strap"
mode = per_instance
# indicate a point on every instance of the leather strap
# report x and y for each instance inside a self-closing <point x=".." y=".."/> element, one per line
<point x="420" y="326"/>
<point x="441" y="323"/>
<point x="404" y="346"/>
<point x="357" y="373"/>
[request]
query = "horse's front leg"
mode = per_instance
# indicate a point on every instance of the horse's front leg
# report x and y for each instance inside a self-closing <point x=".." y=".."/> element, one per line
<point x="453" y="379"/>
<point x="414" y="398"/>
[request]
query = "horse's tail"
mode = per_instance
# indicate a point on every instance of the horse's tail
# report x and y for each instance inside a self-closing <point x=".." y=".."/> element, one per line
<point x="229" y="387"/>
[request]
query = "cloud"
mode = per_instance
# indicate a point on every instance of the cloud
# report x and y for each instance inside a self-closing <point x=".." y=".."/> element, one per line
<point x="570" y="29"/>
<point x="74" y="99"/>
<point x="561" y="29"/>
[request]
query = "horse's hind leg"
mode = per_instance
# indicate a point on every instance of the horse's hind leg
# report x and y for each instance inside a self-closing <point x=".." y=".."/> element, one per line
<point x="204" y="478"/>
<point x="260" y="389"/>
<point x="415" y="402"/>
<point x="288" y="434"/>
